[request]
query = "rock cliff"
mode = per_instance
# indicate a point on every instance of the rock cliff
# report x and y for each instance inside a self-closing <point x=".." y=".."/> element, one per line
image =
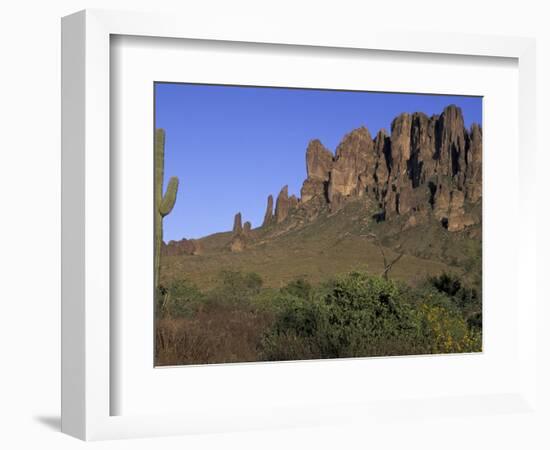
<point x="268" y="217"/>
<point x="426" y="167"/>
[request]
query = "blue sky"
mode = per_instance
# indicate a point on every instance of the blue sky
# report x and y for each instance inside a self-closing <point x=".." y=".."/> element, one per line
<point x="232" y="146"/>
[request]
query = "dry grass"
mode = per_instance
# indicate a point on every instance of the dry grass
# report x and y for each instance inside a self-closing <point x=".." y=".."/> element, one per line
<point x="219" y="335"/>
<point x="328" y="246"/>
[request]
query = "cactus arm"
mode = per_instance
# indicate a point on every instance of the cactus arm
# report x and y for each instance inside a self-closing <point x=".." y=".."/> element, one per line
<point x="169" y="198"/>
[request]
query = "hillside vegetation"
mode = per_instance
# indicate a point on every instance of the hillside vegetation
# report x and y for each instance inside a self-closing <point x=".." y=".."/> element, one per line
<point x="353" y="315"/>
<point x="333" y="244"/>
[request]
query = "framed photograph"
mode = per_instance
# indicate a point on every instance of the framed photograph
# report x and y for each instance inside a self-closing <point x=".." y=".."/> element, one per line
<point x="267" y="228"/>
<point x="373" y="249"/>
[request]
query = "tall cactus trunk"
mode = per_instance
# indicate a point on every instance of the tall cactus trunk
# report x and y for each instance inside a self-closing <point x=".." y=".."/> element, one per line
<point x="163" y="203"/>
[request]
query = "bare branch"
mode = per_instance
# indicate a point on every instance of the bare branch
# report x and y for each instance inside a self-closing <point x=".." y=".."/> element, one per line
<point x="390" y="265"/>
<point x="387" y="266"/>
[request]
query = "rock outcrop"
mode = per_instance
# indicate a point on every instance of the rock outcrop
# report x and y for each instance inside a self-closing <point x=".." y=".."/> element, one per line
<point x="282" y="207"/>
<point x="237" y="224"/>
<point x="425" y="168"/>
<point x="473" y="180"/>
<point x="319" y="162"/>
<point x="354" y="161"/>
<point x="240" y="234"/>
<point x="268" y="217"/>
<point x="182" y="247"/>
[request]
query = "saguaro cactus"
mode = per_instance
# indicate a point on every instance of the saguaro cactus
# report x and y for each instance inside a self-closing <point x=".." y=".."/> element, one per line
<point x="163" y="202"/>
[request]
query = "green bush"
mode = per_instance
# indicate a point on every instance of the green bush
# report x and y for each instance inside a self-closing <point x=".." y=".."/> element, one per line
<point x="235" y="284"/>
<point x="233" y="290"/>
<point x="361" y="315"/>
<point x="354" y="315"/>
<point x="452" y="285"/>
<point x="466" y="299"/>
<point x="182" y="299"/>
<point x="366" y="316"/>
<point x="296" y="329"/>
<point x="427" y="294"/>
<point x="299" y="288"/>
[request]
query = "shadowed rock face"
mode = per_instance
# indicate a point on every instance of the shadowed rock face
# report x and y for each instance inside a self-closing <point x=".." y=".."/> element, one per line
<point x="451" y="148"/>
<point x="380" y="176"/>
<point x="473" y="165"/>
<point x="237" y="223"/>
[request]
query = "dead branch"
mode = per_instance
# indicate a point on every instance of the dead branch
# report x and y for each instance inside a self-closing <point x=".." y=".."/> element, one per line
<point x="387" y="266"/>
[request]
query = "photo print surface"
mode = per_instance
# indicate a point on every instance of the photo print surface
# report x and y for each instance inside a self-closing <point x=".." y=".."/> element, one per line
<point x="299" y="224"/>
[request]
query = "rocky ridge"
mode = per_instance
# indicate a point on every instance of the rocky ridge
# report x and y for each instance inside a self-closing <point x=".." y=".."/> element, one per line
<point x="425" y="168"/>
<point x="182" y="247"/>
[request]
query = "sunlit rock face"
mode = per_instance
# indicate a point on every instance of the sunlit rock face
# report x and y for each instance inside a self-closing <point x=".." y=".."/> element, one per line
<point x="426" y="167"/>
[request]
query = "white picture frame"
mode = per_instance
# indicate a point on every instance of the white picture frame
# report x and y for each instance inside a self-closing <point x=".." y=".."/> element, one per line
<point x="87" y="384"/>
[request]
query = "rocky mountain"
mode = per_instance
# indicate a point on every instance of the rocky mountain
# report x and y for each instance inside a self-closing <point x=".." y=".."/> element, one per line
<point x="426" y="170"/>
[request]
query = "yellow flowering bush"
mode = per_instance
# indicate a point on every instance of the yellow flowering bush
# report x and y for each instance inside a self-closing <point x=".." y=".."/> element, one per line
<point x="447" y="332"/>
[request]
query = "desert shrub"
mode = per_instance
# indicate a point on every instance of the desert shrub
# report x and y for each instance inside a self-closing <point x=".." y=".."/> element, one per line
<point x="367" y="316"/>
<point x="179" y="298"/>
<point x="465" y="298"/>
<point x="474" y="265"/>
<point x="236" y="285"/>
<point x="447" y="283"/>
<point x="362" y="315"/>
<point x="233" y="289"/>
<point x="239" y="282"/>
<point x="276" y="301"/>
<point x="184" y="298"/>
<point x="354" y="315"/>
<point x="447" y="332"/>
<point x="182" y="341"/>
<point x="453" y="286"/>
<point x="296" y="328"/>
<point x="297" y="315"/>
<point x="299" y="288"/>
<point x="475" y="321"/>
<point x="265" y="300"/>
<point x="288" y="346"/>
<point x="427" y="294"/>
